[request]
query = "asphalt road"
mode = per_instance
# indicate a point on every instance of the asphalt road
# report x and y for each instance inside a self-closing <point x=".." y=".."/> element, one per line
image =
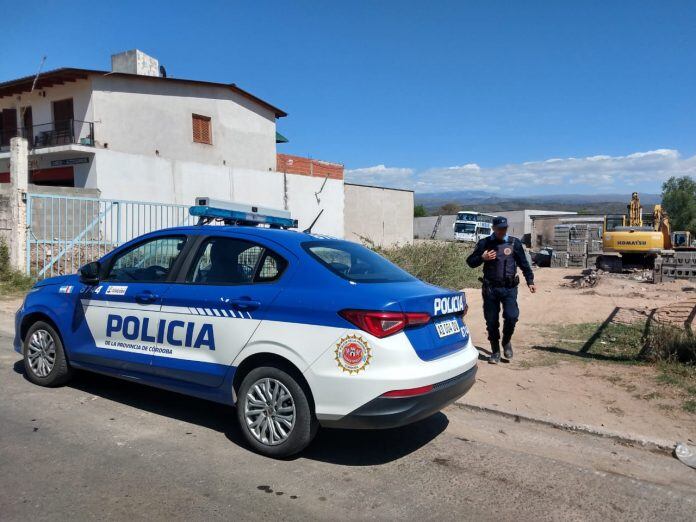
<point x="106" y="449"/>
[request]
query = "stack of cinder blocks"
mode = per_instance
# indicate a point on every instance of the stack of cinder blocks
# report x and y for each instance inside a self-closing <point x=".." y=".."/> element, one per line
<point x="576" y="245"/>
<point x="681" y="265"/>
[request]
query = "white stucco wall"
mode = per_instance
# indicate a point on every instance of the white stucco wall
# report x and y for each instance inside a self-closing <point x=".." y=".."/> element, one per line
<point x="42" y="107"/>
<point x="142" y="116"/>
<point x="145" y="178"/>
<point x="381" y="215"/>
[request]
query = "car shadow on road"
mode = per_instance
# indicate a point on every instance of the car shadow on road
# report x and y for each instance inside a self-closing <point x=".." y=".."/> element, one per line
<point x="373" y="447"/>
<point x="344" y="447"/>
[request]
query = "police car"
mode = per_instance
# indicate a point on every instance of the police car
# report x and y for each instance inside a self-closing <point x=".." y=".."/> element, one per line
<point x="296" y="330"/>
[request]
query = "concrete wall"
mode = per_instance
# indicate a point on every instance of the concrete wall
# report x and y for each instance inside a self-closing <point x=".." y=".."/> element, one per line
<point x="519" y="223"/>
<point x="380" y="215"/>
<point x="152" y="117"/>
<point x="424" y="226"/>
<point x="148" y="178"/>
<point x="135" y="62"/>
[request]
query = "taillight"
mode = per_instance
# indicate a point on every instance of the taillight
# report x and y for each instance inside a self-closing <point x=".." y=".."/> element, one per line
<point x="411" y="392"/>
<point x="383" y="324"/>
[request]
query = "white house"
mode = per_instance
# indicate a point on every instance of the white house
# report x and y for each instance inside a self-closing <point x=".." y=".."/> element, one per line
<point x="134" y="134"/>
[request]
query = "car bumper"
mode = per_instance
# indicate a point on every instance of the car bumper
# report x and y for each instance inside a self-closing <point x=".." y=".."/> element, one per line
<point x="385" y="412"/>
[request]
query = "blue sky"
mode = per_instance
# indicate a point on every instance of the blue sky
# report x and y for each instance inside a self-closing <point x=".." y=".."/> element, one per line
<point x="515" y="97"/>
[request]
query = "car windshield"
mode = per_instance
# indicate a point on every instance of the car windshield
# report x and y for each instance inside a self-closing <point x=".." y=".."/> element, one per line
<point x="465" y="227"/>
<point x="355" y="262"/>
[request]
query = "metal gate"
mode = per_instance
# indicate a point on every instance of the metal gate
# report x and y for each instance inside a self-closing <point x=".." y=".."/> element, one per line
<point x="65" y="232"/>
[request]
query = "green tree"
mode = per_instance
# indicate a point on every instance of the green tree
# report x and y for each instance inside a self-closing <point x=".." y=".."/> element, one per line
<point x="448" y="209"/>
<point x="419" y="211"/>
<point x="679" y="201"/>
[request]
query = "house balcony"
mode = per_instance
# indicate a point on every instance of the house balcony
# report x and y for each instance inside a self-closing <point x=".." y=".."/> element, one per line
<point x="54" y="134"/>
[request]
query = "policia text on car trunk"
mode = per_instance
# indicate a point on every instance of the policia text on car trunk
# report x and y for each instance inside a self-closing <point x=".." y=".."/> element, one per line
<point x="500" y="255"/>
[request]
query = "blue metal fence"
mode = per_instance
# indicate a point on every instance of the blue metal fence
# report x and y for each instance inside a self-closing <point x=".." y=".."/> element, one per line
<point x="65" y="232"/>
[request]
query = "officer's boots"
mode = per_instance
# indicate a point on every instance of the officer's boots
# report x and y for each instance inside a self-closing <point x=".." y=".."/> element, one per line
<point x="507" y="347"/>
<point x="495" y="353"/>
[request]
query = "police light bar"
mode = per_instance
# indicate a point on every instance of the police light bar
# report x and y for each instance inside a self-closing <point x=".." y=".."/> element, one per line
<point x="240" y="214"/>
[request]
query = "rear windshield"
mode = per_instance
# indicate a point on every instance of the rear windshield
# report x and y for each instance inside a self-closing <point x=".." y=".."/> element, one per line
<point x="355" y="262"/>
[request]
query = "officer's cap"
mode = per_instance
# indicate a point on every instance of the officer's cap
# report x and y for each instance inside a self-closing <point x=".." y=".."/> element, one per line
<point x="500" y="222"/>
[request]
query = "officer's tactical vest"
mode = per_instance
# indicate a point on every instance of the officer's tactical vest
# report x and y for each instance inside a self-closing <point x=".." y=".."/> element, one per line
<point x="503" y="267"/>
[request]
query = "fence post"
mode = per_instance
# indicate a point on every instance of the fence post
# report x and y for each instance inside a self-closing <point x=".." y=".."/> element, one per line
<point x="19" y="179"/>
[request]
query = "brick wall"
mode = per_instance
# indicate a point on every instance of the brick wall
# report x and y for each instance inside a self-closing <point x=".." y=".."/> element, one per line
<point x="308" y="167"/>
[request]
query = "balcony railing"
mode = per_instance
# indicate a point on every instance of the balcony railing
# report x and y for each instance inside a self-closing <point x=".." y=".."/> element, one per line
<point x="65" y="132"/>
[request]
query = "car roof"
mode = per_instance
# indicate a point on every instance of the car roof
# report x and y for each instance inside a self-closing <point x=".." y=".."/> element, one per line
<point x="289" y="238"/>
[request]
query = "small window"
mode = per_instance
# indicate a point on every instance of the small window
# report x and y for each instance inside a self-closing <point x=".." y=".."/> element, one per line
<point x="147" y="262"/>
<point x="202" y="132"/>
<point x="230" y="261"/>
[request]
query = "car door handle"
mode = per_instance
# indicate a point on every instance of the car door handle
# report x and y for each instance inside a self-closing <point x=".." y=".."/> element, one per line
<point x="244" y="304"/>
<point x="146" y="297"/>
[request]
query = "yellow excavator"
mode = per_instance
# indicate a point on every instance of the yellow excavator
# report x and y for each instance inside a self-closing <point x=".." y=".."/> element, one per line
<point x="635" y="239"/>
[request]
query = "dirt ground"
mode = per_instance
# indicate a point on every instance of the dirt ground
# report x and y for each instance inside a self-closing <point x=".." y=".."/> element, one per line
<point x="617" y="398"/>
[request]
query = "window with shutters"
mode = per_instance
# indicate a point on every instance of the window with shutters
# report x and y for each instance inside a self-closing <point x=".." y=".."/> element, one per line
<point x="202" y="131"/>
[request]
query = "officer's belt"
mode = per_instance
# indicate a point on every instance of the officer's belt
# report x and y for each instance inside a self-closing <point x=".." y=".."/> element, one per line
<point x="508" y="282"/>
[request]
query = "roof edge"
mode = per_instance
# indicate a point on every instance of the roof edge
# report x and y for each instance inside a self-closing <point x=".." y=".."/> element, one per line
<point x="57" y="73"/>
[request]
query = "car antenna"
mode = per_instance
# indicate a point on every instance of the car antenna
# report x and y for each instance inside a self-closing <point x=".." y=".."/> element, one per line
<point x="308" y="230"/>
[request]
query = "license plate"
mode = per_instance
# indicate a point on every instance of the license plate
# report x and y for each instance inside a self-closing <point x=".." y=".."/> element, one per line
<point x="448" y="327"/>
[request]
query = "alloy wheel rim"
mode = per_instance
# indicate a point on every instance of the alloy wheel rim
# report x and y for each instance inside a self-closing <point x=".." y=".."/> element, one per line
<point x="41" y="353"/>
<point x="269" y="411"/>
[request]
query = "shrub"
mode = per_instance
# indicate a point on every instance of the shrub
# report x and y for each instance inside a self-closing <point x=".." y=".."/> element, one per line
<point x="11" y="280"/>
<point x="672" y="344"/>
<point x="437" y="263"/>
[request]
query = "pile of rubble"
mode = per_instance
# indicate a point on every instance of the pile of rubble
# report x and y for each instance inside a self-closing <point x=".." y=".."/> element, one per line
<point x="576" y="245"/>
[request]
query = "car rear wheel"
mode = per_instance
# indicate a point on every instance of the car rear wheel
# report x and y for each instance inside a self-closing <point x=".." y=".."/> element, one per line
<point x="274" y="412"/>
<point x="45" y="363"/>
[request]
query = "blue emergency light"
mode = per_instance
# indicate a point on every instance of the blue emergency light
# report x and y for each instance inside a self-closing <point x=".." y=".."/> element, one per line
<point x="230" y="213"/>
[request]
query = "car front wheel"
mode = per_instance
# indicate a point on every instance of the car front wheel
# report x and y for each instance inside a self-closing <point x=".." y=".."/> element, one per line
<point x="45" y="363"/>
<point x="274" y="412"/>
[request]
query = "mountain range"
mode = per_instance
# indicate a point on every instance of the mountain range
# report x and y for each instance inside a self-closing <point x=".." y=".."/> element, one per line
<point x="488" y="201"/>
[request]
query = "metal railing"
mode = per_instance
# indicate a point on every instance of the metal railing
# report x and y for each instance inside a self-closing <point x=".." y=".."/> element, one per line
<point x="65" y="132"/>
<point x="65" y="232"/>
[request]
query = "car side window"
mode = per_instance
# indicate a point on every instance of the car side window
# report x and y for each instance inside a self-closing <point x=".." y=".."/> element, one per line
<point x="150" y="261"/>
<point x="230" y="261"/>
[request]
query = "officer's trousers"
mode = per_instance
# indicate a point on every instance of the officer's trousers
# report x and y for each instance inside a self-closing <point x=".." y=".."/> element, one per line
<point x="493" y="298"/>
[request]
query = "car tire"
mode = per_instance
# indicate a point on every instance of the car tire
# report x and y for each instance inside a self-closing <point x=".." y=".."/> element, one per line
<point x="266" y="401"/>
<point x="45" y="363"/>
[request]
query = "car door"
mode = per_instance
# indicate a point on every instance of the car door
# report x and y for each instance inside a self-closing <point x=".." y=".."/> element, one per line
<point x="122" y="313"/>
<point x="216" y="307"/>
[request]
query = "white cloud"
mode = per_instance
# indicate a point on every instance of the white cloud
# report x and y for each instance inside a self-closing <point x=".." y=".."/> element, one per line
<point x="600" y="172"/>
<point x="381" y="175"/>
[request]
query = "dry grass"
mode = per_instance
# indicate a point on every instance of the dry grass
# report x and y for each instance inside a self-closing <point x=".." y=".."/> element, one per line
<point x="12" y="282"/>
<point x="437" y="263"/>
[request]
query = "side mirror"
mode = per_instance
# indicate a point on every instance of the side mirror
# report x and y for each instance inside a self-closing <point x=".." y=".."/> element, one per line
<point x="89" y="274"/>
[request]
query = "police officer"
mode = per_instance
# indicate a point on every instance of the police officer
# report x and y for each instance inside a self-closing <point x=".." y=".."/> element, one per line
<point x="500" y="255"/>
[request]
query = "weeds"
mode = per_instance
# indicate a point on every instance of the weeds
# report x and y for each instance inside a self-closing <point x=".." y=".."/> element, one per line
<point x="671" y="350"/>
<point x="669" y="343"/>
<point x="437" y="263"/>
<point x="11" y="281"/>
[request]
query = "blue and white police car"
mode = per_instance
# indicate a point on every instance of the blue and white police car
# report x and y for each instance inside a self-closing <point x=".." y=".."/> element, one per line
<point x="296" y="330"/>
